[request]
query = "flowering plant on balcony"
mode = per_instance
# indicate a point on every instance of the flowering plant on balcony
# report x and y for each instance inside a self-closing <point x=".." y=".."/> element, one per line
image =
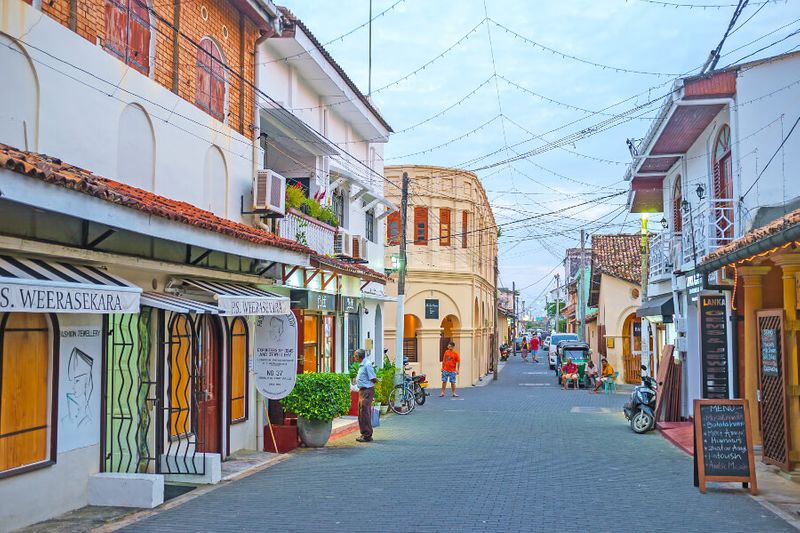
<point x="297" y="199"/>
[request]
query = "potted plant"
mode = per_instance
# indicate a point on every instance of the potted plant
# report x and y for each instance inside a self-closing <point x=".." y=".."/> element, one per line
<point x="318" y="398"/>
<point x="353" y="372"/>
<point x="383" y="387"/>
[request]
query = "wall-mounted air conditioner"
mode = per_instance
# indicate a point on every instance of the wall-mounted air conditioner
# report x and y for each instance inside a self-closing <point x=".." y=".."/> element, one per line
<point x="342" y="244"/>
<point x="269" y="192"/>
<point x="359" y="247"/>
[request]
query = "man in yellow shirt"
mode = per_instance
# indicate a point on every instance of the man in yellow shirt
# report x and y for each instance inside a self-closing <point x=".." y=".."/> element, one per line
<point x="607" y="374"/>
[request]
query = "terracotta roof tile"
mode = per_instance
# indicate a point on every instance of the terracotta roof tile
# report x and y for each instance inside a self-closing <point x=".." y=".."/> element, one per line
<point x="619" y="256"/>
<point x="788" y="220"/>
<point x="55" y="171"/>
<point x="353" y="269"/>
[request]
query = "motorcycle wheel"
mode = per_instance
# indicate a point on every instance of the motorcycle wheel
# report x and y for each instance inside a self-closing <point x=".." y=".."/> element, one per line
<point x="419" y="395"/>
<point x="642" y="422"/>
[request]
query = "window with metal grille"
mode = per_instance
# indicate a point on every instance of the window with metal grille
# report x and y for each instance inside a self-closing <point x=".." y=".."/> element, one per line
<point x="444" y="227"/>
<point x="369" y="224"/>
<point x="181" y="381"/>
<point x="239" y="377"/>
<point x="677" y="199"/>
<point x="338" y="207"/>
<point x="393" y="229"/>
<point x="210" y="96"/>
<point x="421" y="225"/>
<point x="128" y="32"/>
<point x="26" y="382"/>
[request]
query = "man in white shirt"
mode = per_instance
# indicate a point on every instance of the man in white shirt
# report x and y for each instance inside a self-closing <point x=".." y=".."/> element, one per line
<point x="365" y="381"/>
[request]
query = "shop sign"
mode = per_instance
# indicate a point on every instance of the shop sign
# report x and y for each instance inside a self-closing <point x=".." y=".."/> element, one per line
<point x="313" y="301"/>
<point x="238" y="306"/>
<point x="54" y="299"/>
<point x="275" y="355"/>
<point x="431" y="308"/>
<point x="714" y="345"/>
<point x="693" y="283"/>
<point x="769" y="353"/>
<point x="637" y="329"/>
<point x="348" y="304"/>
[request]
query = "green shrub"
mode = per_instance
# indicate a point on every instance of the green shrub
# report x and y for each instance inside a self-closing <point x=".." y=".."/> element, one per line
<point x="353" y="370"/>
<point x="329" y="217"/>
<point x="385" y="384"/>
<point x="294" y="196"/>
<point x="319" y="396"/>
<point x="312" y="208"/>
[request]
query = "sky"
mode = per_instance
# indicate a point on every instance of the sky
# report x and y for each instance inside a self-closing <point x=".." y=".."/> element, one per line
<point x="472" y="83"/>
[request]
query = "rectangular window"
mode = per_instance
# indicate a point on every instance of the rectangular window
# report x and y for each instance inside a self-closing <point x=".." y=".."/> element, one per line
<point x="370" y="225"/>
<point x="25" y="416"/>
<point x="444" y="227"/>
<point x="464" y="229"/>
<point x="338" y="206"/>
<point x="421" y="225"/>
<point x="238" y="370"/>
<point x="393" y="229"/>
<point x="181" y="382"/>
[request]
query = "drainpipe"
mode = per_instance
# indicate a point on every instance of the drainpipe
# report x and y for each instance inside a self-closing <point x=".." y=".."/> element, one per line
<point x="257" y="221"/>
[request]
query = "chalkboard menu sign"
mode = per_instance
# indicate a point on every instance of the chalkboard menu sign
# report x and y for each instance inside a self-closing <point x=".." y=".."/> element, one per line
<point x="714" y="345"/>
<point x="769" y="352"/>
<point x="431" y="308"/>
<point x="723" y="445"/>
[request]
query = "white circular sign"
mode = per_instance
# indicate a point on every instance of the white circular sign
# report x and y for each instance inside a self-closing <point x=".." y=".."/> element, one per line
<point x="275" y="355"/>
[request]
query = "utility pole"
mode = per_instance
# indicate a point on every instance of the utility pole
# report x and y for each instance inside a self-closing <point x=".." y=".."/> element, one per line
<point x="401" y="281"/>
<point x="496" y="343"/>
<point x="581" y="297"/>
<point x="644" y="358"/>
<point x="558" y="303"/>
<point x="369" y="62"/>
<point x="514" y="329"/>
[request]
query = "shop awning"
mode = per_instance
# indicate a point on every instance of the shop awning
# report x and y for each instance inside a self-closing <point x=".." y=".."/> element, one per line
<point x="239" y="299"/>
<point x="659" y="307"/>
<point x="50" y="286"/>
<point x="285" y="129"/>
<point x="178" y="304"/>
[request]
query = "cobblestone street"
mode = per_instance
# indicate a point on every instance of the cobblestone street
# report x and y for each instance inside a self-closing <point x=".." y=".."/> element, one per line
<point x="516" y="455"/>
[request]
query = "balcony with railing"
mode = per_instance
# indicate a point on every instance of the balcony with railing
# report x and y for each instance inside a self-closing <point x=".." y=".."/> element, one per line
<point x="660" y="260"/>
<point x="308" y="231"/>
<point x="706" y="227"/>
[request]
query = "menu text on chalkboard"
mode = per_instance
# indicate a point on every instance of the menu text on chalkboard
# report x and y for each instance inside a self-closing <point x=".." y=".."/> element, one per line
<point x="714" y="345"/>
<point x="431" y="308"/>
<point x="769" y="352"/>
<point x="723" y="443"/>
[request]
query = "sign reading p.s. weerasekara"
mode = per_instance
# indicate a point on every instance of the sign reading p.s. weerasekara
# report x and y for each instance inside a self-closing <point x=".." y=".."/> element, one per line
<point x="275" y="355"/>
<point x="45" y="298"/>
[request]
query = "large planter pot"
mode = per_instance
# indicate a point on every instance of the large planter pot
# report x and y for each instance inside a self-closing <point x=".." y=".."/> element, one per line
<point x="384" y="408"/>
<point x="314" y="433"/>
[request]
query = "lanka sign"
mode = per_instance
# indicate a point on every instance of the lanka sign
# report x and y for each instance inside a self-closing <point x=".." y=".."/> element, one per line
<point x="714" y="345"/>
<point x="275" y="355"/>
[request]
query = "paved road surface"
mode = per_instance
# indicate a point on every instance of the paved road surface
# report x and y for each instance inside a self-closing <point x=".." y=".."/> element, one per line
<point x="510" y="456"/>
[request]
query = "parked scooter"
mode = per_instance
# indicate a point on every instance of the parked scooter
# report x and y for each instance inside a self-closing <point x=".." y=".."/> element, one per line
<point x="641" y="408"/>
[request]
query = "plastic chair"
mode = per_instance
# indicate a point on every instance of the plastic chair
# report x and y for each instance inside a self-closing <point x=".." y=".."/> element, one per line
<point x="610" y="384"/>
<point x="575" y="380"/>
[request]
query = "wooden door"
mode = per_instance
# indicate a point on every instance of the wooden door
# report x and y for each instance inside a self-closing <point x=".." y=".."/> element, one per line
<point x="631" y="343"/>
<point x="772" y="389"/>
<point x="209" y="392"/>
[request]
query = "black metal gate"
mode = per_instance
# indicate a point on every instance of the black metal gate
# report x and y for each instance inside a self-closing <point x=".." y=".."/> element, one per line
<point x="772" y="388"/>
<point x="129" y="394"/>
<point x="180" y="377"/>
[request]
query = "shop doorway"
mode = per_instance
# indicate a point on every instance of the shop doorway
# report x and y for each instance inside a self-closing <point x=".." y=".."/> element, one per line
<point x="632" y="349"/>
<point x="378" y="336"/>
<point x="209" y="401"/>
<point x="449" y="324"/>
<point x="411" y="323"/>
<point x="772" y="385"/>
<point x="353" y="335"/>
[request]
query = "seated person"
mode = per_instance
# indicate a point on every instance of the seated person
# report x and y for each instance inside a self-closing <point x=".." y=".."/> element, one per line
<point x="569" y="371"/>
<point x="590" y="374"/>
<point x="607" y="374"/>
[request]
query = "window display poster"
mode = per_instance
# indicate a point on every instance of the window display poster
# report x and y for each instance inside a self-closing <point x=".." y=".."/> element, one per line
<point x="275" y="355"/>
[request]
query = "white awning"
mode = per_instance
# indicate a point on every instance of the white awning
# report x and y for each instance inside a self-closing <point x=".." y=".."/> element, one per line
<point x="51" y="286"/>
<point x="237" y="299"/>
<point x="178" y="304"/>
<point x="285" y="129"/>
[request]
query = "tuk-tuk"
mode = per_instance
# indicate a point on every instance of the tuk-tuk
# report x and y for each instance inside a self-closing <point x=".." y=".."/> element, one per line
<point x="578" y="351"/>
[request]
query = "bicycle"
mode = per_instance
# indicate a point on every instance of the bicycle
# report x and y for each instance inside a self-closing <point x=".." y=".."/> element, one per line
<point x="403" y="397"/>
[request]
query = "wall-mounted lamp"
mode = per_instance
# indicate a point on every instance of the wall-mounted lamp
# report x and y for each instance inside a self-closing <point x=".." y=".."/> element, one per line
<point x="701" y="191"/>
<point x="685" y="206"/>
<point x="664" y="223"/>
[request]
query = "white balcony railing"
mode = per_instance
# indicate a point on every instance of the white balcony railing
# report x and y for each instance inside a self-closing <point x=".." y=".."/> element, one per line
<point x="709" y="227"/>
<point x="660" y="260"/>
<point x="308" y="231"/>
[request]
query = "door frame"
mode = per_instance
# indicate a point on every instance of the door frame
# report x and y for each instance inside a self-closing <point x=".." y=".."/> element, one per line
<point x="787" y="436"/>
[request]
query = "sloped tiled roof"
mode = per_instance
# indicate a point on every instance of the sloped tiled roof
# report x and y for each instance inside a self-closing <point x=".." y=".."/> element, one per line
<point x="352" y="269"/>
<point x="619" y="256"/>
<point x="790" y="219"/>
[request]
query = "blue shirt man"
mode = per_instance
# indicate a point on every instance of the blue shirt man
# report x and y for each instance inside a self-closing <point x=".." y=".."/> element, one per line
<point x="365" y="381"/>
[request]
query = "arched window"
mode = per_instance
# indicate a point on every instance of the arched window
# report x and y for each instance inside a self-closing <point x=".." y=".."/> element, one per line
<point x="215" y="182"/>
<point x="210" y="95"/>
<point x="723" y="185"/>
<point x="128" y="33"/>
<point x="181" y="338"/>
<point x="239" y="374"/>
<point x="136" y="148"/>
<point x="677" y="200"/>
<point x="27" y="421"/>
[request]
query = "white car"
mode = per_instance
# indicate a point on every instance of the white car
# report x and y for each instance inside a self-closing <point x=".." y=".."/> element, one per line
<point x="555" y="338"/>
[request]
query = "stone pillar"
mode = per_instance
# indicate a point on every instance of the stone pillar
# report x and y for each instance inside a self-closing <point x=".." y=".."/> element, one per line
<point x="752" y="277"/>
<point x="466" y="346"/>
<point x="790" y="264"/>
<point x="428" y="345"/>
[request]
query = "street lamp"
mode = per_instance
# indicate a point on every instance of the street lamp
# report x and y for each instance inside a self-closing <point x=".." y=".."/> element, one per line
<point x="701" y="191"/>
<point x="664" y="223"/>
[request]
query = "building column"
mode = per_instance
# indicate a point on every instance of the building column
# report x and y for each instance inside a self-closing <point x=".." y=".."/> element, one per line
<point x="790" y="264"/>
<point x="753" y="301"/>
<point x="428" y="340"/>
<point x="465" y="345"/>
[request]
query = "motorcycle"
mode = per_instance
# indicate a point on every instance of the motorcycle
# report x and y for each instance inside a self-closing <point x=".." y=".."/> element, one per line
<point x="641" y="408"/>
<point x="416" y="382"/>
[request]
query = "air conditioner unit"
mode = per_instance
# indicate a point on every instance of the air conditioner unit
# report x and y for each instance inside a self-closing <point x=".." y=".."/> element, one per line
<point x="343" y="244"/>
<point x="359" y="247"/>
<point x="269" y="192"/>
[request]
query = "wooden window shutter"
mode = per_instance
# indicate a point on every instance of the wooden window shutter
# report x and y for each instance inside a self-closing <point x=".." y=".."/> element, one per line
<point x="393" y="229"/>
<point x="210" y="79"/>
<point x="421" y="225"/>
<point x="464" y="228"/>
<point x="116" y="27"/>
<point x="217" y="84"/>
<point x="138" y="42"/>
<point x="677" y="200"/>
<point x="444" y="227"/>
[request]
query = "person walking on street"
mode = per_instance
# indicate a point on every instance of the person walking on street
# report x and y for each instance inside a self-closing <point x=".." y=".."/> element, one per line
<point x="451" y="363"/>
<point x="535" y="348"/>
<point x="365" y="381"/>
<point x="525" y="347"/>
